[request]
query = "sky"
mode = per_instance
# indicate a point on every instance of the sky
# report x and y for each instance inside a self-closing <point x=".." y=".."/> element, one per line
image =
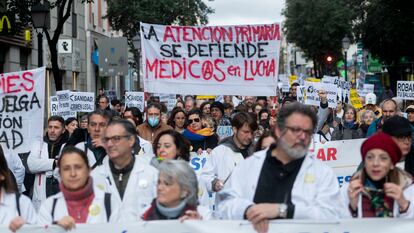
<point x="236" y="12"/>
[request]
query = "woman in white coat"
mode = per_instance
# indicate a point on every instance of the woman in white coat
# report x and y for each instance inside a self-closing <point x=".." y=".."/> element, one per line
<point x="78" y="201"/>
<point x="380" y="189"/>
<point x="15" y="210"/>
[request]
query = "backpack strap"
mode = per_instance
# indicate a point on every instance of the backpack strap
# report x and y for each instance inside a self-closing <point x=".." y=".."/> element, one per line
<point x="17" y="195"/>
<point x="53" y="209"/>
<point x="107" y="203"/>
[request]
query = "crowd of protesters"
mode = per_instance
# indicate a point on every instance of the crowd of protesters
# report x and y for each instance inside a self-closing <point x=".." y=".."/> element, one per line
<point x="119" y="164"/>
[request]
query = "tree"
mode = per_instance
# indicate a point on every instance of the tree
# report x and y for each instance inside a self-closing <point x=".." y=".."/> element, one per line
<point x="125" y="15"/>
<point x="22" y="9"/>
<point x="317" y="28"/>
<point x="386" y="29"/>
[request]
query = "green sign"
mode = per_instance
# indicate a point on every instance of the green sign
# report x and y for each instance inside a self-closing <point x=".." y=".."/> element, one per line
<point x="374" y="66"/>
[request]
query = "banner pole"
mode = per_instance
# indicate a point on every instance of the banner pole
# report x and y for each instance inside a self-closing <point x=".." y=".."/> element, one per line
<point x="48" y="93"/>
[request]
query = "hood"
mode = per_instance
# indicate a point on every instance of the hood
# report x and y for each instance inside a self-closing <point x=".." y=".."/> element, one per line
<point x="229" y="142"/>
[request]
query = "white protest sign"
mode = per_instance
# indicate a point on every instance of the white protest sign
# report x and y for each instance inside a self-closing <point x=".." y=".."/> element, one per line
<point x="64" y="104"/>
<point x="284" y="79"/>
<point x="211" y="60"/>
<point x="82" y="101"/>
<point x="22" y="106"/>
<point x="344" y="87"/>
<point x="301" y="94"/>
<point x="171" y="103"/>
<point x="329" y="79"/>
<point x="54" y="105"/>
<point x="343" y="157"/>
<point x="405" y="90"/>
<point x="312" y="90"/>
<point x="135" y="99"/>
<point x="224" y="131"/>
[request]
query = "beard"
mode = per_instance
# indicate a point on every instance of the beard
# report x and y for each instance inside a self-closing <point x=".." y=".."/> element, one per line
<point x="291" y="151"/>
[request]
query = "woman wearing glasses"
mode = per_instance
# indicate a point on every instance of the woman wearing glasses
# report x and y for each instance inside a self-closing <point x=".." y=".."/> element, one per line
<point x="380" y="189"/>
<point x="201" y="138"/>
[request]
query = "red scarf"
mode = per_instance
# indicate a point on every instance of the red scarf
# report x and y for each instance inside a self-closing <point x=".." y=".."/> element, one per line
<point x="78" y="201"/>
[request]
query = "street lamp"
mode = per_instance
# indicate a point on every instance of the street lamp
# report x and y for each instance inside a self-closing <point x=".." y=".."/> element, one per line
<point x="136" y="41"/>
<point x="346" y="42"/>
<point x="40" y="18"/>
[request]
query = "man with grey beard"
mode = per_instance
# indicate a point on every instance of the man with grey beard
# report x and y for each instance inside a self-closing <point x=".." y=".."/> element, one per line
<point x="283" y="182"/>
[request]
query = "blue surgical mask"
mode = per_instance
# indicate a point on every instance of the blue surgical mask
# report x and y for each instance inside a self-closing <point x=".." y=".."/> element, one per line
<point x="153" y="121"/>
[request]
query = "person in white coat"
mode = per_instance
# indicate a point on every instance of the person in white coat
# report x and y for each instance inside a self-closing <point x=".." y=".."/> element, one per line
<point x="283" y="181"/>
<point x="16" y="166"/>
<point x="177" y="194"/>
<point x="131" y="180"/>
<point x="90" y="139"/>
<point x="380" y="189"/>
<point x="15" y="209"/>
<point x="230" y="152"/>
<point x="79" y="201"/>
<point x="43" y="158"/>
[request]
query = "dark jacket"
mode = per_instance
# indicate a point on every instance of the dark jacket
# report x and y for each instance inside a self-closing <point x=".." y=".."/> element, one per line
<point x="343" y="133"/>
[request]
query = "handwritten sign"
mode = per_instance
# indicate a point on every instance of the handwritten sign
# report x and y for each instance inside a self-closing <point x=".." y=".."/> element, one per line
<point x="135" y="99"/>
<point x="22" y="109"/>
<point x="82" y="102"/>
<point x="211" y="60"/>
<point x="64" y="104"/>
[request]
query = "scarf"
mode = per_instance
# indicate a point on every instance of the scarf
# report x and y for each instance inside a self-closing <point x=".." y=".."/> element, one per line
<point x="349" y="124"/>
<point x="78" y="201"/>
<point x="374" y="192"/>
<point x="159" y="212"/>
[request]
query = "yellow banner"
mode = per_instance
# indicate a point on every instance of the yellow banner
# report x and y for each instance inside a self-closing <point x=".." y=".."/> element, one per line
<point x="314" y="80"/>
<point x="292" y="78"/>
<point x="204" y="97"/>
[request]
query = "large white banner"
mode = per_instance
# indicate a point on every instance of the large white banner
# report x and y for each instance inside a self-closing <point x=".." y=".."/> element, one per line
<point x="378" y="225"/>
<point x="22" y="108"/>
<point x="405" y="90"/>
<point x="342" y="156"/>
<point x="211" y="60"/>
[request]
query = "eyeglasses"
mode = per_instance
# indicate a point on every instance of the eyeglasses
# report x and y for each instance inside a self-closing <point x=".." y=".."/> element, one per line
<point x="297" y="131"/>
<point x="115" y="139"/>
<point x="193" y="120"/>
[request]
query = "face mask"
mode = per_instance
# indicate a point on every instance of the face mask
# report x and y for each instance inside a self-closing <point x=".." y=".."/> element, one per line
<point x="153" y="121"/>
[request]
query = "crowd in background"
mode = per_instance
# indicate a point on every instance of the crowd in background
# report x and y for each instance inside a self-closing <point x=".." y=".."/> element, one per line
<point x="120" y="164"/>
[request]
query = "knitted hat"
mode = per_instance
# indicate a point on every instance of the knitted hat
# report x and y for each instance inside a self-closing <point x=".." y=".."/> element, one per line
<point x="397" y="126"/>
<point x="384" y="142"/>
<point x="218" y="105"/>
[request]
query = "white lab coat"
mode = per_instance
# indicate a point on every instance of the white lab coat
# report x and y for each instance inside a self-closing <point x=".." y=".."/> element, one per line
<point x="408" y="194"/>
<point x="315" y="192"/>
<point x="40" y="164"/>
<point x="8" y="208"/>
<point x="61" y="210"/>
<point x="220" y="165"/>
<point x="139" y="192"/>
<point x="146" y="147"/>
<point x="16" y="166"/>
<point x="89" y="153"/>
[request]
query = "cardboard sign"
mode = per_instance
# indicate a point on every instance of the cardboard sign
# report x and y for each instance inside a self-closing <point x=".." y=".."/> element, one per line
<point x="355" y="101"/>
<point x="312" y="90"/>
<point x="405" y="90"/>
<point x="82" y="102"/>
<point x="135" y="99"/>
<point x="224" y="131"/>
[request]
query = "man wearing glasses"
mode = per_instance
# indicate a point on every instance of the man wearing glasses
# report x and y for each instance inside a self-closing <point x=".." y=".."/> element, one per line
<point x="283" y="181"/>
<point x="129" y="179"/>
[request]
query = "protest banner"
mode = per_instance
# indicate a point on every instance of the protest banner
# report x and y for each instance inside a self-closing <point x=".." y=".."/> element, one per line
<point x="355" y="101"/>
<point x="211" y="60"/>
<point x="405" y="90"/>
<point x="135" y="99"/>
<point x="312" y="90"/>
<point x="366" y="88"/>
<point x="22" y="109"/>
<point x="82" y="102"/>
<point x="293" y="79"/>
<point x="54" y="105"/>
<point x="351" y="225"/>
<point x="342" y="156"/>
<point x="224" y="131"/>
